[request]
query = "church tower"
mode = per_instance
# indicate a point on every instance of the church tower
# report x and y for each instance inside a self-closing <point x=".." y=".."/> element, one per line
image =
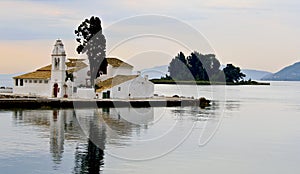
<point x="58" y="69"/>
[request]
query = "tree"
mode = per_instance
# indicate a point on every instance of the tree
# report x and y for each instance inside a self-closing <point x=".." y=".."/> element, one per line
<point x="178" y="68"/>
<point x="69" y="76"/>
<point x="232" y="73"/>
<point x="218" y="77"/>
<point x="211" y="65"/>
<point x="196" y="67"/>
<point x="93" y="43"/>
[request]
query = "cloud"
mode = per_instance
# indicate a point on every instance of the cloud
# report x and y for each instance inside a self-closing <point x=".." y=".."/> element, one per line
<point x="47" y="19"/>
<point x="227" y="23"/>
<point x="27" y="19"/>
<point x="232" y="3"/>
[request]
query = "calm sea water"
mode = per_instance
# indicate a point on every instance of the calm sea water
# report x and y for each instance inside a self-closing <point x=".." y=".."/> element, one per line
<point x="249" y="129"/>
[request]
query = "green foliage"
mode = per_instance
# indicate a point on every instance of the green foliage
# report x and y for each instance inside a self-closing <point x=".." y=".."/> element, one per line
<point x="210" y="63"/>
<point x="202" y="67"/>
<point x="69" y="76"/>
<point x="178" y="68"/>
<point x="194" y="67"/>
<point x="218" y="77"/>
<point x="93" y="43"/>
<point x="233" y="74"/>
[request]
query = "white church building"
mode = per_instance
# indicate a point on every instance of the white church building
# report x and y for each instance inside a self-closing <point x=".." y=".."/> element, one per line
<point x="71" y="79"/>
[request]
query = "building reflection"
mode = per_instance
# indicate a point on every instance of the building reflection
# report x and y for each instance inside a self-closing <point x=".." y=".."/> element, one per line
<point x="90" y="129"/>
<point x="57" y="136"/>
<point x="59" y="125"/>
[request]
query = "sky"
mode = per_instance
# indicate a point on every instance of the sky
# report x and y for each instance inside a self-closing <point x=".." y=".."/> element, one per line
<point x="252" y="34"/>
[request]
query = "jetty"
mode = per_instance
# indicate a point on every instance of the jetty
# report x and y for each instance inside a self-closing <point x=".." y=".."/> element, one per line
<point x="30" y="102"/>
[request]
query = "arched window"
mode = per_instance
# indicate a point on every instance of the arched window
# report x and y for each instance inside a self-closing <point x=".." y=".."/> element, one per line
<point x="56" y="63"/>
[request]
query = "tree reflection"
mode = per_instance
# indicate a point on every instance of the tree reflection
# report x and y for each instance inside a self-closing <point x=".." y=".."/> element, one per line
<point x="88" y="158"/>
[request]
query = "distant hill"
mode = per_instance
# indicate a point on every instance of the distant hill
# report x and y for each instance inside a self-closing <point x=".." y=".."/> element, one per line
<point x="255" y="74"/>
<point x="289" y="73"/>
<point x="156" y="72"/>
<point x="252" y="73"/>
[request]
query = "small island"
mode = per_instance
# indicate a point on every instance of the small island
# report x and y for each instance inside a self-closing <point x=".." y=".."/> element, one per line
<point x="203" y="69"/>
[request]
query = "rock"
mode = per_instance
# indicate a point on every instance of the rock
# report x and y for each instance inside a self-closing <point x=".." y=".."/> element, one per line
<point x="204" y="102"/>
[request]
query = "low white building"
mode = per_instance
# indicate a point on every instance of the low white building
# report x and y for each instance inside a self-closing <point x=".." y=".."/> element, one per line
<point x="71" y="79"/>
<point x="125" y="86"/>
<point x="119" y="82"/>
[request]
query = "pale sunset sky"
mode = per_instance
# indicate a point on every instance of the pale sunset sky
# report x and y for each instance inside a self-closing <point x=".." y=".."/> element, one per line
<point x="252" y="34"/>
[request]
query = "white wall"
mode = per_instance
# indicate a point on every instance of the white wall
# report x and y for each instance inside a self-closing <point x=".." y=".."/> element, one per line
<point x="81" y="76"/>
<point x="86" y="93"/>
<point x="36" y="89"/>
<point x="123" y="93"/>
<point x="141" y="88"/>
<point x="69" y="89"/>
<point x="137" y="88"/>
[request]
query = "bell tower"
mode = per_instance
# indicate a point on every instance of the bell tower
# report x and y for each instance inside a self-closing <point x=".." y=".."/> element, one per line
<point x="58" y="69"/>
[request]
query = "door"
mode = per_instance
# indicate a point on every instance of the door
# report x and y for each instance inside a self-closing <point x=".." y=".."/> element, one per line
<point x="108" y="94"/>
<point x="55" y="89"/>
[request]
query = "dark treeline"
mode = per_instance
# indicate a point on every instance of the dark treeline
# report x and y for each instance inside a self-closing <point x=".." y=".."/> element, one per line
<point x="202" y="67"/>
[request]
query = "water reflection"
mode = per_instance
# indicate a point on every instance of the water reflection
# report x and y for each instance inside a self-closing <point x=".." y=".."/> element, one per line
<point x="118" y="132"/>
<point x="88" y="158"/>
<point x="197" y="114"/>
<point x="61" y="125"/>
<point x="91" y="129"/>
<point x="57" y="136"/>
<point x="261" y="126"/>
<point x="232" y="105"/>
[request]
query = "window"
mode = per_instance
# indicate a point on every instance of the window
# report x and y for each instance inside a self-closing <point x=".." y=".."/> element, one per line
<point x="75" y="89"/>
<point x="17" y="82"/>
<point x="46" y="81"/>
<point x="56" y="63"/>
<point x="35" y="81"/>
<point x="25" y="81"/>
<point x="119" y="88"/>
<point x="40" y="81"/>
<point x="30" y="81"/>
<point x="21" y="82"/>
